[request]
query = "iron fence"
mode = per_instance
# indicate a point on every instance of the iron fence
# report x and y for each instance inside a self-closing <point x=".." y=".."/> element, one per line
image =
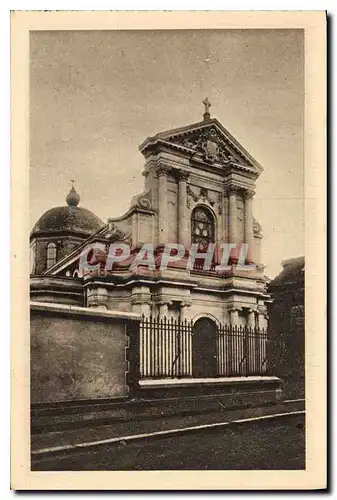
<point x="167" y="349"/>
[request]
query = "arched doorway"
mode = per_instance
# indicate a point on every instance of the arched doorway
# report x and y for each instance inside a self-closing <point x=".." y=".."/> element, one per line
<point x="204" y="352"/>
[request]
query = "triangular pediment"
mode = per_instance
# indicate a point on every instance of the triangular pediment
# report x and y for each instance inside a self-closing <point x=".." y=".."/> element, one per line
<point x="207" y="140"/>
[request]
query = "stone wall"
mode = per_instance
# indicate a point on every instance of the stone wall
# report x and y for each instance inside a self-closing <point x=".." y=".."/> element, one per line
<point x="78" y="353"/>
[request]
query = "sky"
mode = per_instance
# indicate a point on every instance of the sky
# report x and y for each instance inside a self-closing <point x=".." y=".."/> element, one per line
<point x="96" y="95"/>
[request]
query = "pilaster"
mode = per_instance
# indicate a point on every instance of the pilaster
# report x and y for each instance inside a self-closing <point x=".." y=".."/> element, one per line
<point x="141" y="301"/>
<point x="232" y="212"/>
<point x="251" y="318"/>
<point x="163" y="172"/>
<point x="263" y="320"/>
<point x="184" y="310"/>
<point x="234" y="315"/>
<point x="97" y="298"/>
<point x="163" y="309"/>
<point x="184" y="233"/>
<point x="249" y="232"/>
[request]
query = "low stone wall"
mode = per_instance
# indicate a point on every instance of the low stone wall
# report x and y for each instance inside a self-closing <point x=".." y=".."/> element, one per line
<point x="250" y="390"/>
<point x="78" y="353"/>
<point x="187" y="398"/>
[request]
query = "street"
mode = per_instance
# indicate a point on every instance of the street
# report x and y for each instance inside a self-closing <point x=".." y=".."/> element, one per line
<point x="273" y="445"/>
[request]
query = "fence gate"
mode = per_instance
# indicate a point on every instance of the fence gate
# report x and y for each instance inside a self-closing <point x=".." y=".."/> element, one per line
<point x="204" y="348"/>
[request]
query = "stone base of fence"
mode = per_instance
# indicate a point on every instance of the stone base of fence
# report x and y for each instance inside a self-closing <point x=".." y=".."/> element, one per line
<point x="161" y="399"/>
<point x="251" y="390"/>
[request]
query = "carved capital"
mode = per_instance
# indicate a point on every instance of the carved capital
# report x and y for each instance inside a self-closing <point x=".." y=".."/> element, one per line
<point x="164" y="302"/>
<point x="235" y="309"/>
<point x="182" y="175"/>
<point x="248" y="193"/>
<point x="233" y="190"/>
<point x="141" y="298"/>
<point x="163" y="170"/>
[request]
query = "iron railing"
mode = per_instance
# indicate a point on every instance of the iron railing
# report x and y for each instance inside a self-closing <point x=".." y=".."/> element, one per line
<point x="166" y="349"/>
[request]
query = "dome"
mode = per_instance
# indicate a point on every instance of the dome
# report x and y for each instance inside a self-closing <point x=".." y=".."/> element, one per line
<point x="70" y="218"/>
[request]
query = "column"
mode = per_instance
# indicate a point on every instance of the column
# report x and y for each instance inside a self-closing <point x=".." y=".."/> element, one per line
<point x="251" y="318"/>
<point x="163" y="172"/>
<point x="184" y="305"/>
<point x="185" y="341"/>
<point x="249" y="233"/>
<point x="167" y="343"/>
<point x="141" y="300"/>
<point x="234" y="341"/>
<point x="252" y="344"/>
<point x="234" y="316"/>
<point x="232" y="232"/>
<point x="263" y="320"/>
<point x="182" y="311"/>
<point x="163" y="309"/>
<point x="226" y="217"/>
<point x="146" y="309"/>
<point x="182" y="209"/>
<point x="264" y="353"/>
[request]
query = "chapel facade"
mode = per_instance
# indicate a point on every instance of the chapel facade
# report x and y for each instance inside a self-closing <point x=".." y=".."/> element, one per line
<point x="199" y="189"/>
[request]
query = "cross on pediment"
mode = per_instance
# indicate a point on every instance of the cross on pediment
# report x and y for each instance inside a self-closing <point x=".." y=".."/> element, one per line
<point x="207" y="105"/>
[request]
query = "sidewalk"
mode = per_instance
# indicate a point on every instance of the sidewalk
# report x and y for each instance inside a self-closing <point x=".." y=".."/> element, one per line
<point x="74" y="437"/>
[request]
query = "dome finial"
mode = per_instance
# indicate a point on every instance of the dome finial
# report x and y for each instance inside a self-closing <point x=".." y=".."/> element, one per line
<point x="73" y="197"/>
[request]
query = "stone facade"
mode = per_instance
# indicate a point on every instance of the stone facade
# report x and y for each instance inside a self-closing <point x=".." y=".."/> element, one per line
<point x="198" y="190"/>
<point x="200" y="166"/>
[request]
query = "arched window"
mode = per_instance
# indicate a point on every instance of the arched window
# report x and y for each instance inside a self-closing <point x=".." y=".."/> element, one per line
<point x="51" y="255"/>
<point x="202" y="227"/>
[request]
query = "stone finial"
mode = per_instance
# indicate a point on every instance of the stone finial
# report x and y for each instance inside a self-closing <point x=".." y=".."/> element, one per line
<point x="73" y="197"/>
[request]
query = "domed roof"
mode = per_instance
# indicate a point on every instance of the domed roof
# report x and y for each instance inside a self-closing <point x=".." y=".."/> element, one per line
<point x="70" y="218"/>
